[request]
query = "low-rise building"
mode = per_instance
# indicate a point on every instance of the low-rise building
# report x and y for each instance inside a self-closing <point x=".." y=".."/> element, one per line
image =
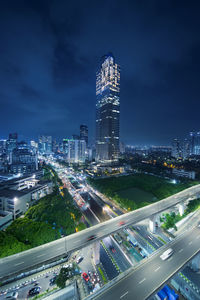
<point x="184" y="173"/>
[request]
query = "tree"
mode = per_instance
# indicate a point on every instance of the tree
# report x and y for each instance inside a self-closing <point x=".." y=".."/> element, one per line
<point x="64" y="275"/>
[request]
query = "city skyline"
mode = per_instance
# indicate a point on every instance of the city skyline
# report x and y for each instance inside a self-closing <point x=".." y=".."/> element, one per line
<point x="50" y="53"/>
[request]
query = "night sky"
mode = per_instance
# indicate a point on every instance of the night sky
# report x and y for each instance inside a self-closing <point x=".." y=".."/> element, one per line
<point x="50" y="50"/>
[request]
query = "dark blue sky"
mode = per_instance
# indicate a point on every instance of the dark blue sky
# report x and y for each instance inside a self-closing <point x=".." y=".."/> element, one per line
<point x="49" y="53"/>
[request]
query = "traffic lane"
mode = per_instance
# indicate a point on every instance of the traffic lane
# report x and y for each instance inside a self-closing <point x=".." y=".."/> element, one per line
<point x="19" y="261"/>
<point x="154" y="272"/>
<point x="8" y="265"/>
<point x="141" y="230"/>
<point x="115" y="252"/>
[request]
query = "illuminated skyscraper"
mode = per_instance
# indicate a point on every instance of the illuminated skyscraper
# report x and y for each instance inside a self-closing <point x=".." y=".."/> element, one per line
<point x="107" y="110"/>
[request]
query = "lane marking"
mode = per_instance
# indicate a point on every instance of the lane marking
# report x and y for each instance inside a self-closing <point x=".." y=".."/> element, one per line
<point x="142" y="280"/>
<point x="190" y="243"/>
<point x="41" y="255"/>
<point x="19" y="263"/>
<point x="157" y="269"/>
<point x="123" y="295"/>
<point x="180" y="251"/>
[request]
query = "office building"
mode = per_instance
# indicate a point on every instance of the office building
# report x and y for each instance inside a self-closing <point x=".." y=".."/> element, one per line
<point x="84" y="133"/>
<point x="74" y="150"/>
<point x="195" y="143"/>
<point x="176" y="148"/>
<point x="24" y="161"/>
<point x="184" y="173"/>
<point x="185" y="149"/>
<point x="45" y="144"/>
<point x="107" y="110"/>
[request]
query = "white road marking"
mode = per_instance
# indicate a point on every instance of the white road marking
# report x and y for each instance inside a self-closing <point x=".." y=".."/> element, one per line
<point x="142" y="280"/>
<point x="19" y="263"/>
<point x="180" y="250"/>
<point x="123" y="295"/>
<point x="41" y="255"/>
<point x="190" y="243"/>
<point x="157" y="269"/>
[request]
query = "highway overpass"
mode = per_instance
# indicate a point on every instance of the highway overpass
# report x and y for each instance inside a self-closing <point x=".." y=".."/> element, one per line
<point x="148" y="277"/>
<point x="18" y="263"/>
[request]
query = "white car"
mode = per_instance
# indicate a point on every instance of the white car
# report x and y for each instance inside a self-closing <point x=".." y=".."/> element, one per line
<point x="12" y="295"/>
<point x="167" y="254"/>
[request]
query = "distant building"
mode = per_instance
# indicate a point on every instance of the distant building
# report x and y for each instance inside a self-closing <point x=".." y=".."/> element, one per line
<point x="45" y="144"/>
<point x="11" y="145"/>
<point x="107" y="110"/>
<point x="183" y="173"/>
<point x="84" y="133"/>
<point x="195" y="143"/>
<point x="121" y="147"/>
<point x="185" y="149"/>
<point x="2" y="146"/>
<point x="75" y="150"/>
<point x="176" y="148"/>
<point x="23" y="161"/>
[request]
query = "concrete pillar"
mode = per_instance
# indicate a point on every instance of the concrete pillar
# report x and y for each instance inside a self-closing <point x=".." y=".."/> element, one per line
<point x="181" y="208"/>
<point x="195" y="263"/>
<point x="96" y="252"/>
<point x="152" y="223"/>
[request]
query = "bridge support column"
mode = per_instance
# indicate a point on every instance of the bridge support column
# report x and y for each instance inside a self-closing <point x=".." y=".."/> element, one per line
<point x="152" y="223"/>
<point x="181" y="208"/>
<point x="195" y="263"/>
<point x="96" y="252"/>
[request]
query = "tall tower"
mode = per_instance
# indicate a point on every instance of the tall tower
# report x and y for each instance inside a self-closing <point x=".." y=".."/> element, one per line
<point x="107" y="110"/>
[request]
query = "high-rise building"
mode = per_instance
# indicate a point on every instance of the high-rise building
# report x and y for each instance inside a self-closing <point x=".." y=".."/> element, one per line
<point x="45" y="144"/>
<point x="176" y="148"/>
<point x="185" y="149"/>
<point x="195" y="143"/>
<point x="84" y="133"/>
<point x="74" y="150"/>
<point x="107" y="109"/>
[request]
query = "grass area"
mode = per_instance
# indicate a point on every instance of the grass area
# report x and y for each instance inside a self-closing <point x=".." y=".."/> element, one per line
<point x="45" y="293"/>
<point x="160" y="188"/>
<point x="161" y="239"/>
<point x="137" y="195"/>
<point x="45" y="221"/>
<point x="102" y="275"/>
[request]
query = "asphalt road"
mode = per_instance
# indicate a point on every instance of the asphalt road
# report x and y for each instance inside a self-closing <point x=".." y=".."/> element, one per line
<point x="148" y="277"/>
<point x="17" y="263"/>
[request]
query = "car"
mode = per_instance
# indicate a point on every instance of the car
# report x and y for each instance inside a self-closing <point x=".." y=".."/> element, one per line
<point x="12" y="295"/>
<point x="79" y="259"/>
<point x="121" y="223"/>
<point x="34" y="291"/>
<point x="85" y="276"/>
<point x="167" y="254"/>
<point x="52" y="281"/>
<point x="112" y="248"/>
<point x="92" y="237"/>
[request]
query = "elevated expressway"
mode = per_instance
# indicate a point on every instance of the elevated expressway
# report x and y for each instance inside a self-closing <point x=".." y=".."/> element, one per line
<point x="27" y="260"/>
<point x="145" y="279"/>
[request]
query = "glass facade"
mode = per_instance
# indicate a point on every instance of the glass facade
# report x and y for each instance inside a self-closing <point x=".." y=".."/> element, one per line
<point x="107" y="110"/>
